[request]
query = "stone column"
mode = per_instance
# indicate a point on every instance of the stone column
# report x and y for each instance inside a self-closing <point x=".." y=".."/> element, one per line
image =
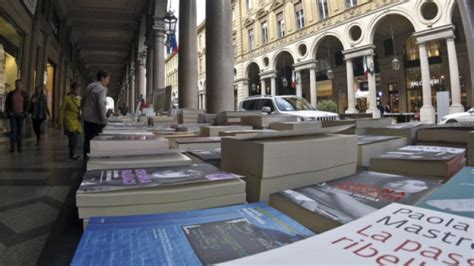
<point x="299" y="89"/>
<point x="148" y="70"/>
<point x="219" y="56"/>
<point x="350" y="88"/>
<point x="313" y="93"/>
<point x="263" y="85"/>
<point x="159" y="58"/>
<point x="427" y="112"/>
<point x="131" y="78"/>
<point x="188" y="56"/>
<point x="43" y="63"/>
<point x="273" y="85"/>
<point x="456" y="106"/>
<point x="140" y="74"/>
<point x="372" y="91"/>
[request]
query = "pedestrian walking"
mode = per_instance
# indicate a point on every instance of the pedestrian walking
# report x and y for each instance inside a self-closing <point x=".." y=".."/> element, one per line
<point x="70" y="119"/>
<point x="16" y="106"/>
<point x="93" y="107"/>
<point x="39" y="110"/>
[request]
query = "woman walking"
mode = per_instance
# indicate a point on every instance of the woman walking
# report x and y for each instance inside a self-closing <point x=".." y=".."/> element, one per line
<point x="38" y="110"/>
<point x="70" y="118"/>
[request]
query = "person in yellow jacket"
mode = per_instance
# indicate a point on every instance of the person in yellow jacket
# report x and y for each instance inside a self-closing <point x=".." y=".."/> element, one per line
<point x="70" y="118"/>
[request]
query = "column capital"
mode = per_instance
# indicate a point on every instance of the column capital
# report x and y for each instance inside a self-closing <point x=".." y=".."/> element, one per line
<point x="310" y="64"/>
<point x="241" y="80"/>
<point x="268" y="74"/>
<point x="443" y="32"/>
<point x="361" y="51"/>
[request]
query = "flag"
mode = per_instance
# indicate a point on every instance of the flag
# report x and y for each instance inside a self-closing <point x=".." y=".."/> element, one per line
<point x="172" y="45"/>
<point x="293" y="79"/>
<point x="368" y="67"/>
<point x="366" y="71"/>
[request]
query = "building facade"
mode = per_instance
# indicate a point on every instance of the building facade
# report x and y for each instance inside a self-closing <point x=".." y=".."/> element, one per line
<point x="355" y="53"/>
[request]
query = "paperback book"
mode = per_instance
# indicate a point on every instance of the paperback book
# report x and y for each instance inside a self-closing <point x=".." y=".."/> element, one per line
<point x="395" y="235"/>
<point x="121" y="179"/>
<point x="199" y="237"/>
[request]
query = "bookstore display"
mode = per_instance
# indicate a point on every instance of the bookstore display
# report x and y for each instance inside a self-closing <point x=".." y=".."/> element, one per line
<point x="397" y="234"/>
<point x="325" y="206"/>
<point x="201" y="237"/>
<point x="427" y="161"/>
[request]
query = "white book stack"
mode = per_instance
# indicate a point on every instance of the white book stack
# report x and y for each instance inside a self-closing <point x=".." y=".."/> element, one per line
<point x="369" y="146"/>
<point x="127" y="145"/>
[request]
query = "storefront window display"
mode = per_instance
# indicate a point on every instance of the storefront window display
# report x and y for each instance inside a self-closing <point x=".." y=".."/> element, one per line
<point x="415" y="84"/>
<point x="50" y="71"/>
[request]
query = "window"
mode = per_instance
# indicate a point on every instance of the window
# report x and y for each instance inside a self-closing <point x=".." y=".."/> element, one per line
<point x="249" y="105"/>
<point x="233" y="14"/>
<point x="249" y="4"/>
<point x="323" y="9"/>
<point x="299" y="16"/>
<point x="280" y="25"/>
<point x="351" y="3"/>
<point x="251" y="40"/>
<point x="265" y="103"/>
<point x="264" y="33"/>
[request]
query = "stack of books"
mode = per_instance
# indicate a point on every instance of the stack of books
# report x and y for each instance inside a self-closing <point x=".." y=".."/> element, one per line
<point x="193" y="143"/>
<point x="233" y="117"/>
<point x="449" y="135"/>
<point x="201" y="237"/>
<point x="360" y="125"/>
<point x="211" y="156"/>
<point x="406" y="130"/>
<point x="369" y="146"/>
<point x="130" y="161"/>
<point x="157" y="190"/>
<point x="263" y="121"/>
<point x="186" y="116"/>
<point x="427" y="161"/>
<point x="275" y="162"/>
<point x="295" y="125"/>
<point x="250" y="132"/>
<point x="396" y="234"/>
<point x="213" y="131"/>
<point x="106" y="145"/>
<point x="456" y="196"/>
<point x="324" y="206"/>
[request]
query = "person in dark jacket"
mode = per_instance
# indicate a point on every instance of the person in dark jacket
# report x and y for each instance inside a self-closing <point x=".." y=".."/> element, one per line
<point x="39" y="110"/>
<point x="16" y="106"/>
<point x="94" y="109"/>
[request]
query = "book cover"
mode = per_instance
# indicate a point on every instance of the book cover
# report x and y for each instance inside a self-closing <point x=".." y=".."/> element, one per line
<point x="431" y="153"/>
<point x="207" y="155"/>
<point x="124" y="137"/>
<point x="349" y="198"/>
<point x="199" y="237"/>
<point x="368" y="139"/>
<point x="120" y="179"/>
<point x="395" y="235"/>
<point x="456" y="196"/>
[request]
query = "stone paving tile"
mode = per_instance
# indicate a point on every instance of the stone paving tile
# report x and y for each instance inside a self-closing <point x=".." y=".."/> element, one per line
<point x="29" y="217"/>
<point x="58" y="192"/>
<point x="24" y="254"/>
<point x="16" y="194"/>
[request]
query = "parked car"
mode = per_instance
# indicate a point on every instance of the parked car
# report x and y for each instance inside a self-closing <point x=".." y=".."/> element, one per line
<point x="286" y="105"/>
<point x="459" y="117"/>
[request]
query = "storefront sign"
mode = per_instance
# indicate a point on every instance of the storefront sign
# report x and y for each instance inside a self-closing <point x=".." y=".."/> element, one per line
<point x="419" y="83"/>
<point x="30" y="5"/>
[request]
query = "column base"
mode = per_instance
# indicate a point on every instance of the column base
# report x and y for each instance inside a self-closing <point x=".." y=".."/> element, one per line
<point x="456" y="108"/>
<point x="427" y="114"/>
<point x="375" y="112"/>
<point x="351" y="111"/>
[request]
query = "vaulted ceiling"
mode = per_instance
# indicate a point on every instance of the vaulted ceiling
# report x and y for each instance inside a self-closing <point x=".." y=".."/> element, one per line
<point x="104" y="31"/>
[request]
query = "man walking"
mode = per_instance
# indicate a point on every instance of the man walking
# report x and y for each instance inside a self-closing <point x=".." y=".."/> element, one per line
<point x="16" y="106"/>
<point x="94" y="109"/>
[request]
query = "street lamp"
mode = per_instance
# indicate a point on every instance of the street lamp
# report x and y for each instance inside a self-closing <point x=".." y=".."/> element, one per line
<point x="170" y="21"/>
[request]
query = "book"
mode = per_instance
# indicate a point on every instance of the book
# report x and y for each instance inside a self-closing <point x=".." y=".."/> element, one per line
<point x="263" y="121"/>
<point x="427" y="161"/>
<point x="213" y="131"/>
<point x="360" y="125"/>
<point x="324" y="206"/>
<point x="195" y="142"/>
<point x="233" y="117"/>
<point x="456" y="196"/>
<point x="138" y="161"/>
<point x="253" y="132"/>
<point x="199" y="237"/>
<point x="295" y="125"/>
<point x="407" y="130"/>
<point x="397" y="234"/>
<point x="453" y="135"/>
<point x="369" y="146"/>
<point x="121" y="179"/>
<point x="207" y="155"/>
<point x="130" y="143"/>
